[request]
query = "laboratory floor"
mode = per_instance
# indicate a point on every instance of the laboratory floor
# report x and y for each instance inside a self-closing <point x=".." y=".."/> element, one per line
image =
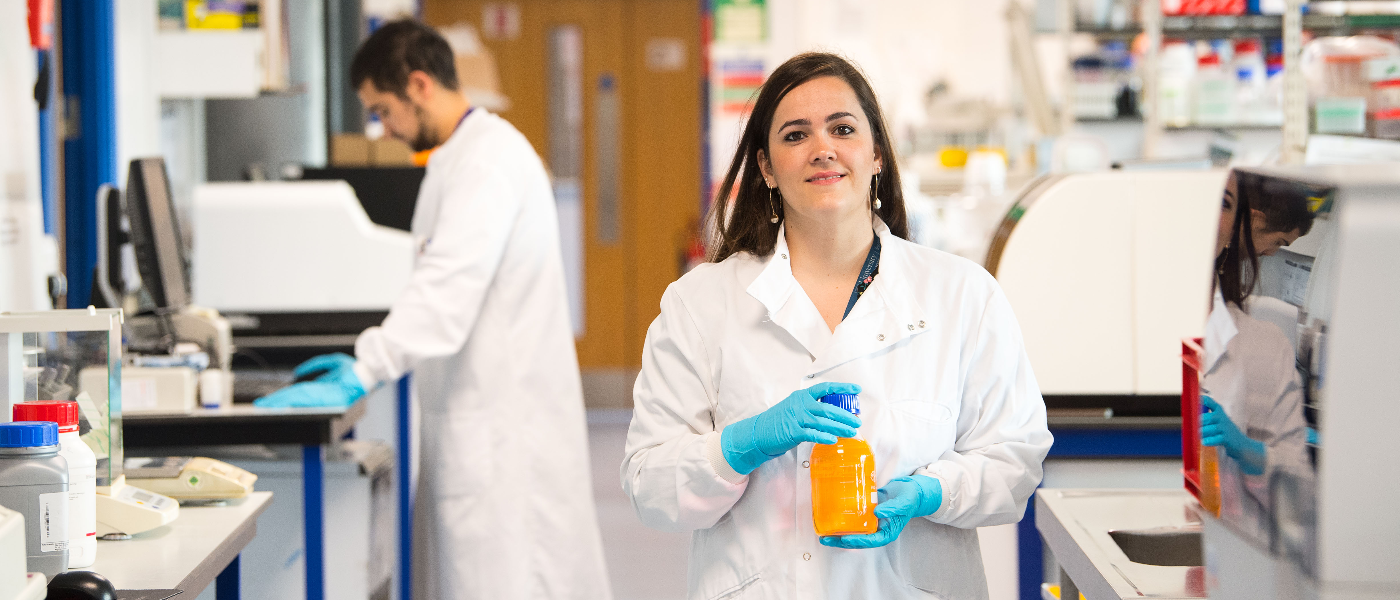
<point x="643" y="563"/>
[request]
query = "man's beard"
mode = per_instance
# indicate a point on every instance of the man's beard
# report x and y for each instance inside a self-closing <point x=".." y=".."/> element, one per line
<point x="427" y="138"/>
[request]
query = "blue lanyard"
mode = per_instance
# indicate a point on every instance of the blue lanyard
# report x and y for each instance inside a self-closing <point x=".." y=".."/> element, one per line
<point x="464" y="118"/>
<point x="867" y="275"/>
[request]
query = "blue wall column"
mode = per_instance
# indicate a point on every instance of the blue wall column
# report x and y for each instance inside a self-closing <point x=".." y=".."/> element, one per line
<point x="90" y="150"/>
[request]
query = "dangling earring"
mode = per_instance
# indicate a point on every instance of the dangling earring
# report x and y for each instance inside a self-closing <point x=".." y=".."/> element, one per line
<point x="772" y="207"/>
<point x="875" y="191"/>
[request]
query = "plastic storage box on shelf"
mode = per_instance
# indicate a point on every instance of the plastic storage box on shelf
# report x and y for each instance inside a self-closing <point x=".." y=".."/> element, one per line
<point x="1341" y="73"/>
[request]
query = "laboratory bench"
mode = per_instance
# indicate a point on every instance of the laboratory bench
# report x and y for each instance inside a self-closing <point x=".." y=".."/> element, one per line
<point x="314" y="429"/>
<point x="1113" y="544"/>
<point x="198" y="548"/>
<point x="1091" y="433"/>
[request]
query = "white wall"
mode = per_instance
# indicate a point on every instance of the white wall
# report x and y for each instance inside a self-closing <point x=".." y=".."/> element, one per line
<point x="904" y="47"/>
<point x="27" y="256"/>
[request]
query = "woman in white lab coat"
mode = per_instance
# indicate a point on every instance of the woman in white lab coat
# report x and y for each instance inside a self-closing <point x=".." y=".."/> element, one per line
<point x="1253" y="391"/>
<point x="725" y="402"/>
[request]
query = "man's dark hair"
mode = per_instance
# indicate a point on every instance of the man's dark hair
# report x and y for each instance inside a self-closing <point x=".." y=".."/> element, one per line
<point x="399" y="48"/>
<point x="1285" y="203"/>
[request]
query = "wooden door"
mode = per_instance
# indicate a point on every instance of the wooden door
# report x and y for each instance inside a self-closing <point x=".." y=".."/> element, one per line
<point x="639" y="173"/>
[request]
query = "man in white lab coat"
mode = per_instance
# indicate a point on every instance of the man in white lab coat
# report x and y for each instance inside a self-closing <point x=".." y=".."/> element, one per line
<point x="504" y="506"/>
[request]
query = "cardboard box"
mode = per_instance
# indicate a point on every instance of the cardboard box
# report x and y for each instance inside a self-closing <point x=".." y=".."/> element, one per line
<point x="350" y="150"/>
<point x="389" y="152"/>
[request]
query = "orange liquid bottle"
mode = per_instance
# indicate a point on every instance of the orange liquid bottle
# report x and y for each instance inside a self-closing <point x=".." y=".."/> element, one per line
<point x="1210" y="478"/>
<point x="843" y="481"/>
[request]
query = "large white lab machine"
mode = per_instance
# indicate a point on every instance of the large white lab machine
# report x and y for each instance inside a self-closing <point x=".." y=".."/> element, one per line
<point x="293" y="247"/>
<point x="1309" y="369"/>
<point x="1106" y="273"/>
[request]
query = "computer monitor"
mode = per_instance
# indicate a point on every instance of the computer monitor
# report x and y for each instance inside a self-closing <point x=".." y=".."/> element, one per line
<point x="155" y="235"/>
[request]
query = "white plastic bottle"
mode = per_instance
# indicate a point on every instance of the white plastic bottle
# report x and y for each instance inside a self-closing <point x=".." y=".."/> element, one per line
<point x="1250" y="82"/>
<point x="82" y="476"/>
<point x="1176" y="71"/>
<point x="1215" y="93"/>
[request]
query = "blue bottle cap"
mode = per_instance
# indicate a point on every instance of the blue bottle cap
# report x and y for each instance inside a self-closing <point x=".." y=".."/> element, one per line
<point x="28" y="434"/>
<point x="849" y="402"/>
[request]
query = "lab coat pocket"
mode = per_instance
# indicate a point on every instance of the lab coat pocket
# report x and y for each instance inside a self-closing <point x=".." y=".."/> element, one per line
<point x="917" y="433"/>
<point x="941" y="559"/>
<point x="734" y="592"/>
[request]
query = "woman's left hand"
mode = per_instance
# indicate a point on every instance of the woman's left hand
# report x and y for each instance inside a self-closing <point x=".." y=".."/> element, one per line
<point x="901" y="499"/>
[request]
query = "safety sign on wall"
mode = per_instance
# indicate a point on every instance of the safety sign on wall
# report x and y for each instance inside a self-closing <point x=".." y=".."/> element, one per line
<point x="740" y="21"/>
<point x="500" y="20"/>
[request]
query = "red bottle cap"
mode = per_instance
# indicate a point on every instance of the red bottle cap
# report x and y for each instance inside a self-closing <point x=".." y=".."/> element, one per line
<point x="63" y="412"/>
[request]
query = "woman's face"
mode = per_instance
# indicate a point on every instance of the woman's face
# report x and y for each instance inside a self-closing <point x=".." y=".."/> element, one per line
<point x="1228" y="202"/>
<point x="821" y="152"/>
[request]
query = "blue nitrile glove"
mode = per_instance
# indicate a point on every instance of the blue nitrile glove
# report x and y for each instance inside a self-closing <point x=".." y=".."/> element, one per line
<point x="328" y="367"/>
<point x="901" y="499"/>
<point x="336" y="386"/>
<point x="1218" y="430"/>
<point x="798" y="418"/>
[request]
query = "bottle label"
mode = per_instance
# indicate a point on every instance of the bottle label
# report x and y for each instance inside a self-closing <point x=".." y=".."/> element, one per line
<point x="53" y="522"/>
<point x="875" y="497"/>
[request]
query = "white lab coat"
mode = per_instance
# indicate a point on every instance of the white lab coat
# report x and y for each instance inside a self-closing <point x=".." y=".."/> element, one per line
<point x="948" y="392"/>
<point x="504" y="504"/>
<point x="1251" y="373"/>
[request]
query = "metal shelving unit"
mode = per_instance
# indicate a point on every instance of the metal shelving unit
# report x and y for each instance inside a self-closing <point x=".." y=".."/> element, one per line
<point x="1243" y="26"/>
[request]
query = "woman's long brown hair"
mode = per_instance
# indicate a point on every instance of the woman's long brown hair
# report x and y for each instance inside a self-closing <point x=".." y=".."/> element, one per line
<point x="1237" y="267"/>
<point x="744" y="225"/>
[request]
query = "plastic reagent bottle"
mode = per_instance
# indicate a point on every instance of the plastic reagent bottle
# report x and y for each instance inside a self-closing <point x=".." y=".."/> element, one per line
<point x="1210" y="476"/>
<point x="82" y="475"/>
<point x="34" y="483"/>
<point x="843" y="481"/>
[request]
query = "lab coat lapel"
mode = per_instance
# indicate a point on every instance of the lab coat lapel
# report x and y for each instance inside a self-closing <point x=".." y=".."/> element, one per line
<point x="886" y="314"/>
<point x="440" y="165"/>
<point x="1220" y="329"/>
<point x="787" y="304"/>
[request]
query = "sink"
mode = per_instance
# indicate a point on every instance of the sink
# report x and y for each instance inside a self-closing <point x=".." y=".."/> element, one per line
<point x="1161" y="546"/>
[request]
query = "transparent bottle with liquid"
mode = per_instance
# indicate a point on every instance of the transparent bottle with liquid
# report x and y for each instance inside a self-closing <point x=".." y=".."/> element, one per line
<point x="843" y="481"/>
<point x="1210" y="477"/>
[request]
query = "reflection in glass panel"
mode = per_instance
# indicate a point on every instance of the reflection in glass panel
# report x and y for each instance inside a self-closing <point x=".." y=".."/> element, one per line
<point x="1267" y="323"/>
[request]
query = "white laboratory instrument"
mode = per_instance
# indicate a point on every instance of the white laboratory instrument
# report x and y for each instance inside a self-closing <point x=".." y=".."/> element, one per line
<point x="147" y="389"/>
<point x="127" y="509"/>
<point x="1106" y="273"/>
<point x="1322" y="526"/>
<point x="190" y="478"/>
<point x="287" y="247"/>
<point x="15" y="582"/>
<point x="139" y="233"/>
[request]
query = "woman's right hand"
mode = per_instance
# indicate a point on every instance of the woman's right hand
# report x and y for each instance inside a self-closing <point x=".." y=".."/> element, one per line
<point x="799" y="418"/>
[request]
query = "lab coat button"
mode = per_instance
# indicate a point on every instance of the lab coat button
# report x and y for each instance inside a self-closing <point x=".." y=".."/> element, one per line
<point x="806" y="556"/>
<point x="911" y="327"/>
<point x="806" y="464"/>
<point x="921" y="324"/>
<point x="784" y="257"/>
<point x="880" y="337"/>
<point x="811" y="376"/>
